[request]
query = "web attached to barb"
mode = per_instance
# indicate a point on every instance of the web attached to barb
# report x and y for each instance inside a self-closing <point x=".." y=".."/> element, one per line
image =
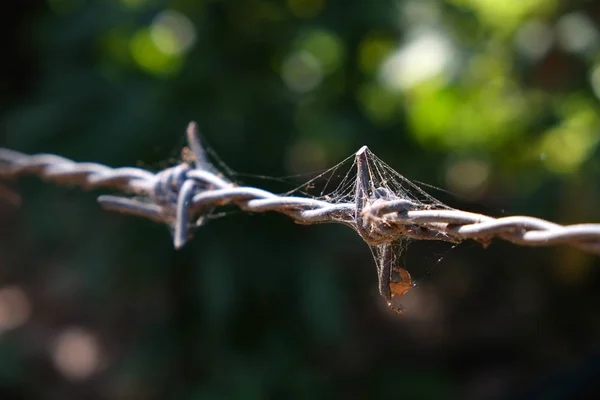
<point x="339" y="185"/>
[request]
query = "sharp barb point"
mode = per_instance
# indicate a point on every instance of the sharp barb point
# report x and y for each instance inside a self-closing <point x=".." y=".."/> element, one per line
<point x="195" y="143"/>
<point x="362" y="150"/>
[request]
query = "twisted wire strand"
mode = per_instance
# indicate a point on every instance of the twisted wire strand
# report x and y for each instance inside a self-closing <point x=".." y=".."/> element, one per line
<point x="183" y="195"/>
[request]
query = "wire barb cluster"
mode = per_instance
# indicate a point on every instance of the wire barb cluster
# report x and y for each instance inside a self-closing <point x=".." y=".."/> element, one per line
<point x="181" y="196"/>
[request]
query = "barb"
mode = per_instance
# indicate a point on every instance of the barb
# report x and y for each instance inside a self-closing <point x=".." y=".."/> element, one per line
<point x="181" y="196"/>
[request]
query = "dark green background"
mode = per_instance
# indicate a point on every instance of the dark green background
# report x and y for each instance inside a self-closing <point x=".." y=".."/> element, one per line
<point x="259" y="307"/>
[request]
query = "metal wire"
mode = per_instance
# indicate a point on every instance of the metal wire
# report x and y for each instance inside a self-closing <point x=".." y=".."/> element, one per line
<point x="183" y="195"/>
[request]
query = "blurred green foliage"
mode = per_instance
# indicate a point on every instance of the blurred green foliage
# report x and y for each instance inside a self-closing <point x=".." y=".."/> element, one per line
<point x="495" y="100"/>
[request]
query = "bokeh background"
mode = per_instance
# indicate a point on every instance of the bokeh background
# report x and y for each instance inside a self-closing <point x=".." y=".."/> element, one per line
<point x="495" y="101"/>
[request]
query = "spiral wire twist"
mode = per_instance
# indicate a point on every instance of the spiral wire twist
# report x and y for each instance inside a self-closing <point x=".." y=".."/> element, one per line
<point x="183" y="195"/>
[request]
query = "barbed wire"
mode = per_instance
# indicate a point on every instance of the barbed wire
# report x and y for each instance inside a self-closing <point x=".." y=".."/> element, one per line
<point x="183" y="195"/>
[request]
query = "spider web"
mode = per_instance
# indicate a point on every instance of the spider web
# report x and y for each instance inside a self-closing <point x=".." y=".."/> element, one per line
<point x="339" y="185"/>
